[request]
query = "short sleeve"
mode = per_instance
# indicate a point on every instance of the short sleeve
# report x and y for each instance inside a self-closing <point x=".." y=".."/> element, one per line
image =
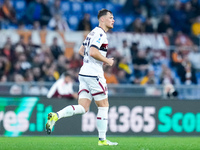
<point x="97" y="40"/>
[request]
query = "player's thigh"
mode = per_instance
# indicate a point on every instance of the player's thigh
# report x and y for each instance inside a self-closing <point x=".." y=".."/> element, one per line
<point x="98" y="88"/>
<point x="84" y="90"/>
<point x="85" y="103"/>
<point x="102" y="103"/>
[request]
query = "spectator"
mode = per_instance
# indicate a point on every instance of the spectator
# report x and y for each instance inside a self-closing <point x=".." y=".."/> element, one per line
<point x="63" y="88"/>
<point x="58" y="23"/>
<point x="7" y="51"/>
<point x="123" y="64"/>
<point x="47" y="62"/>
<point x="4" y="66"/>
<point x="136" y="26"/>
<point x="177" y="16"/>
<point x="16" y="89"/>
<point x="125" y="52"/>
<point x="140" y="64"/>
<point x="148" y="26"/>
<point x="196" y="27"/>
<point x="36" y="25"/>
<point x="150" y="7"/>
<point x="85" y="24"/>
<point x="76" y="61"/>
<point x="55" y="9"/>
<point x="132" y="7"/>
<point x="166" y="76"/>
<point x="62" y="64"/>
<point x="189" y="17"/>
<point x="29" y="76"/>
<point x="171" y="36"/>
<point x="162" y="7"/>
<point x="194" y="58"/>
<point x="183" y="40"/>
<point x="121" y="77"/>
<point x="24" y="64"/>
<point x="187" y="73"/>
<point x="109" y="76"/>
<point x="16" y="68"/>
<point x="46" y="14"/>
<point x="165" y="24"/>
<point x="134" y="50"/>
<point x="177" y="57"/>
<point x="149" y="78"/>
<point x="20" y="47"/>
<point x="34" y="11"/>
<point x="31" y="49"/>
<point x="52" y="74"/>
<point x="8" y="12"/>
<point x="56" y="49"/>
<point x="36" y="62"/>
<point x="37" y="74"/>
<point x="196" y="6"/>
<point x="3" y="78"/>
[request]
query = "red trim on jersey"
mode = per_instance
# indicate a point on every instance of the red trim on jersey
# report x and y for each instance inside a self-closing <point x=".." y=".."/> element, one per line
<point x="83" y="90"/>
<point x="104" y="46"/>
<point x="99" y="118"/>
<point x="73" y="107"/>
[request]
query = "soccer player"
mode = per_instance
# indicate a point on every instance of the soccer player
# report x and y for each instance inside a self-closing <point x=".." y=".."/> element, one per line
<point x="91" y="77"/>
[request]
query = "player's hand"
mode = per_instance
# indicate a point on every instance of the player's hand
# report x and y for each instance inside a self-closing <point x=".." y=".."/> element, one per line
<point x="110" y="61"/>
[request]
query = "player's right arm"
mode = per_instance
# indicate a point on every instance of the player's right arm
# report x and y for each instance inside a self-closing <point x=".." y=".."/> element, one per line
<point x="94" y="52"/>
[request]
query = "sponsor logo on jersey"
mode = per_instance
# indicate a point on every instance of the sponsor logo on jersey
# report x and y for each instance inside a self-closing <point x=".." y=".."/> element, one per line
<point x="98" y="41"/>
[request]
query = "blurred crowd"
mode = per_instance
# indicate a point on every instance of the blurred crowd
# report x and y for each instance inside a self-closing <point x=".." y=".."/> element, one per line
<point x="145" y="16"/>
<point x="179" y="20"/>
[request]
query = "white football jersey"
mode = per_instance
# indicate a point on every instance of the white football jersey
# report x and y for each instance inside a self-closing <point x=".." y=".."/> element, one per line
<point x="96" y="38"/>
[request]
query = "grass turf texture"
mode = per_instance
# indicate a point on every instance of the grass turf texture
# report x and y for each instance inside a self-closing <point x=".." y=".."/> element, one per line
<point x="90" y="143"/>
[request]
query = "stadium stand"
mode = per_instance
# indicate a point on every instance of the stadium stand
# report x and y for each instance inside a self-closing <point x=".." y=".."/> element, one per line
<point x="135" y="20"/>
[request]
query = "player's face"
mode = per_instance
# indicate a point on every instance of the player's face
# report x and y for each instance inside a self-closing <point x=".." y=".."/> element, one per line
<point x="67" y="79"/>
<point x="109" y="20"/>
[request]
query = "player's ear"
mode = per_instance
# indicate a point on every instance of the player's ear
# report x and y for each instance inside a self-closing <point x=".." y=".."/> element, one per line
<point x="102" y="18"/>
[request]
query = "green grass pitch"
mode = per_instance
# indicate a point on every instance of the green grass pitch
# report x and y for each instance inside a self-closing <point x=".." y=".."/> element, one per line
<point x="90" y="143"/>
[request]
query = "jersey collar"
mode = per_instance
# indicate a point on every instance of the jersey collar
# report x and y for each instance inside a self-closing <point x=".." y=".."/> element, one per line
<point x="101" y="28"/>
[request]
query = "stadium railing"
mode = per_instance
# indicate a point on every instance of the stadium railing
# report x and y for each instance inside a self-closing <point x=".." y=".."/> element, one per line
<point x="126" y="90"/>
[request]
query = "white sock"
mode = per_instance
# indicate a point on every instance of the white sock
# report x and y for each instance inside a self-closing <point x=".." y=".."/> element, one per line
<point x="70" y="111"/>
<point x="102" y="122"/>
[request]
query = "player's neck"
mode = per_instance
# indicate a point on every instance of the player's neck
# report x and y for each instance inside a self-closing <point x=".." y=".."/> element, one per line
<point x="104" y="28"/>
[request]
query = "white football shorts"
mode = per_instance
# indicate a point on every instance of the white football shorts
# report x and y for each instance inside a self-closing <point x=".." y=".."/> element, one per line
<point x="92" y="87"/>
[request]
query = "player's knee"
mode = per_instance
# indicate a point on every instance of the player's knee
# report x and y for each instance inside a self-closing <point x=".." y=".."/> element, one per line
<point x="86" y="109"/>
<point x="102" y="103"/>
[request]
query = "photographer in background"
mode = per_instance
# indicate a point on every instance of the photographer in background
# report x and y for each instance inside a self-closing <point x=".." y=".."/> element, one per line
<point x="169" y="91"/>
<point x="63" y="88"/>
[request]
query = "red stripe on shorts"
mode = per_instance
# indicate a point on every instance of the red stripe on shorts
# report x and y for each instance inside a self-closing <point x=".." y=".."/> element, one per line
<point x="73" y="107"/>
<point x="99" y="118"/>
<point x="102" y="88"/>
<point x="83" y="90"/>
<point x="98" y="93"/>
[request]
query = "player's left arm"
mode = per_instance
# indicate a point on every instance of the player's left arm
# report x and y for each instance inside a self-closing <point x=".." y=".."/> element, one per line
<point x="94" y="52"/>
<point x="81" y="50"/>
